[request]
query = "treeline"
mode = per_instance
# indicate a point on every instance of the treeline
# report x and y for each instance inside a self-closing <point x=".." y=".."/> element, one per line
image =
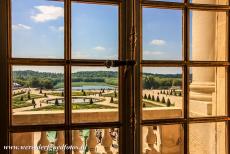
<point x="152" y="82"/>
<point x="49" y="80"/>
<point x="37" y="79"/>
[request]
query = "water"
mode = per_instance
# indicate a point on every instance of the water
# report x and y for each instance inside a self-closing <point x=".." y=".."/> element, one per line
<point x="90" y="88"/>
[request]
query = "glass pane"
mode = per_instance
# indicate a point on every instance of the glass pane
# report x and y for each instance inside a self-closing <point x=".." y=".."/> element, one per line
<point x="35" y="142"/>
<point x="94" y="94"/>
<point x="207" y="91"/>
<point x="216" y="2"/>
<point x="164" y="139"/>
<point x="37" y="29"/>
<point x="96" y="140"/>
<point x="34" y="95"/>
<point x="94" y="31"/>
<point x="162" y="34"/>
<point x="162" y="93"/>
<point x="207" y="138"/>
<point x="208" y="36"/>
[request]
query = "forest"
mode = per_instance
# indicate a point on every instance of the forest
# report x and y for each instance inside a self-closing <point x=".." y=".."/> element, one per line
<point x="48" y="80"/>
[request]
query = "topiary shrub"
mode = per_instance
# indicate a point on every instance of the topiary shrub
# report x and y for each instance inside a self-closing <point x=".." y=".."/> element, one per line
<point x="111" y="100"/>
<point x="149" y="97"/>
<point x="56" y="102"/>
<point x="28" y="96"/>
<point x="21" y="98"/>
<point x="91" y="101"/>
<point x="158" y="99"/>
<point x="145" y="96"/>
<point x="153" y="98"/>
<point x="33" y="101"/>
<point x="168" y="102"/>
<point x="163" y="100"/>
<point x="45" y="95"/>
<point x="115" y="93"/>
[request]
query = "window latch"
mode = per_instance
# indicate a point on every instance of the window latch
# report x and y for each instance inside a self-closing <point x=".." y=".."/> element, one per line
<point x="117" y="63"/>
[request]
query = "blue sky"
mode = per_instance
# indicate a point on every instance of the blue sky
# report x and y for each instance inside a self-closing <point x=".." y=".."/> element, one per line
<point x="38" y="31"/>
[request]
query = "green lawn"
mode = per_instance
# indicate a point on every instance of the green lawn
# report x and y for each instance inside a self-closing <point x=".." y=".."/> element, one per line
<point x="17" y="103"/>
<point x="110" y="95"/>
<point x="74" y="93"/>
<point x="76" y="106"/>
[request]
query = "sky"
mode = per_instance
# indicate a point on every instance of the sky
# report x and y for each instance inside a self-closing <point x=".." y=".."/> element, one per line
<point x="38" y="32"/>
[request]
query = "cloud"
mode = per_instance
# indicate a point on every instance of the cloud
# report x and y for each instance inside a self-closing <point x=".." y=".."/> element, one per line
<point x="47" y="13"/>
<point x="99" y="48"/>
<point x="81" y="55"/>
<point x="158" y="42"/>
<point x="149" y="53"/>
<point x="60" y="28"/>
<point x="20" y="27"/>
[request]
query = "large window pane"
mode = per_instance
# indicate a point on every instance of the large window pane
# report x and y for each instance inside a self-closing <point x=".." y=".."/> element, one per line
<point x="37" y="29"/>
<point x="208" y="37"/>
<point x="162" y="93"/>
<point x="35" y="98"/>
<point x="165" y="139"/>
<point x="94" y="31"/>
<point x="215" y="2"/>
<point x="96" y="140"/>
<point x="207" y="91"/>
<point x="207" y="138"/>
<point x="162" y="34"/>
<point x="38" y="142"/>
<point x="94" y="94"/>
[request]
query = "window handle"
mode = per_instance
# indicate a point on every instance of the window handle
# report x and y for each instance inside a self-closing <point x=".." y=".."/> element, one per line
<point x="117" y="63"/>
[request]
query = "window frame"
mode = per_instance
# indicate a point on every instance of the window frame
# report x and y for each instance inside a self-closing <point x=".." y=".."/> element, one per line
<point x="130" y="27"/>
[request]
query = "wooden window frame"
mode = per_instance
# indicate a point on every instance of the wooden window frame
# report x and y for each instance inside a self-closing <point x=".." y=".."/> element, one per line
<point x="130" y="28"/>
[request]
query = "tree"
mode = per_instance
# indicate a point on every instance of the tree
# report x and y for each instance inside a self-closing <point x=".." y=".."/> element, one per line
<point x="45" y="95"/>
<point x="144" y="105"/>
<point x="170" y="92"/>
<point x="168" y="102"/>
<point x="84" y="94"/>
<point x="62" y="93"/>
<point x="145" y="96"/>
<point x="111" y="100"/>
<point x="40" y="90"/>
<point x="103" y="90"/>
<point x="56" y="102"/>
<point x="153" y="98"/>
<point x="35" y="83"/>
<point x="149" y="97"/>
<point x="158" y="99"/>
<point x="179" y="94"/>
<point x="163" y="100"/>
<point x="163" y="92"/>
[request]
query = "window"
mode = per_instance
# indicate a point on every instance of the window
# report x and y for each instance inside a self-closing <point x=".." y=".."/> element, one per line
<point x="115" y="76"/>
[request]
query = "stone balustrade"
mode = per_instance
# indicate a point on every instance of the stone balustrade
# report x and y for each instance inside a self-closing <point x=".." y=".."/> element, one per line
<point x="164" y="139"/>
